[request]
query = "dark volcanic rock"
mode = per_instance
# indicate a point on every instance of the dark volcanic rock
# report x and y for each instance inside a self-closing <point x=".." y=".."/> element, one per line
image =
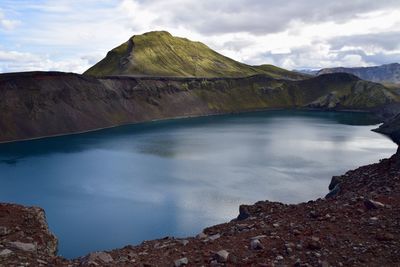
<point x="243" y="213"/>
<point x="335" y="181"/>
<point x="391" y="128"/>
<point x="38" y="104"/>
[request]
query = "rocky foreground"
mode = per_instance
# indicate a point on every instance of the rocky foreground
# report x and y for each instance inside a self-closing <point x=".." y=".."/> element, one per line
<point x="357" y="224"/>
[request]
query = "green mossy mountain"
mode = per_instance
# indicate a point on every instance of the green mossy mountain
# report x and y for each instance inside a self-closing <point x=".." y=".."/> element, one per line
<point x="158" y="53"/>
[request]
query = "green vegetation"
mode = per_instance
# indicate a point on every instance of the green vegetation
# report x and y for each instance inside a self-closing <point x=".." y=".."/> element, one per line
<point x="161" y="54"/>
<point x="278" y="73"/>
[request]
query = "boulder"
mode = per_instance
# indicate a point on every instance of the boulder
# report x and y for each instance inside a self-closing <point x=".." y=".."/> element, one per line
<point x="335" y="181"/>
<point x="222" y="256"/>
<point x="5" y="252"/>
<point x="214" y="237"/>
<point x="181" y="262"/>
<point x="97" y="257"/>
<point x="243" y="213"/>
<point x="255" y="244"/>
<point x="23" y="246"/>
<point x="333" y="192"/>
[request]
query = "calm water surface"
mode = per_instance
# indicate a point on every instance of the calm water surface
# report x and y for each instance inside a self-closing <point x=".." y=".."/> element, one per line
<point x="121" y="186"/>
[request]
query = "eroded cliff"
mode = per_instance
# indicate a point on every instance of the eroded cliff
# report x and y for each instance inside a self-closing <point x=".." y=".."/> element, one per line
<point x="38" y="104"/>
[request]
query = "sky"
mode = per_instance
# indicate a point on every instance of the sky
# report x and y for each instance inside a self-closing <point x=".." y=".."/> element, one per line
<point x="72" y="35"/>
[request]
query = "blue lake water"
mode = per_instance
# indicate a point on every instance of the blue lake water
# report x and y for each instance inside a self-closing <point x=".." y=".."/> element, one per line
<point x="120" y="186"/>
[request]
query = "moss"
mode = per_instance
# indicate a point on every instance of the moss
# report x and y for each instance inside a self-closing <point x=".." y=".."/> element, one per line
<point x="185" y="87"/>
<point x="161" y="54"/>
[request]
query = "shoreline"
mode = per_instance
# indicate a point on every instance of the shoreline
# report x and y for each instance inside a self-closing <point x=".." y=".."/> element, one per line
<point x="285" y="233"/>
<point x="193" y="116"/>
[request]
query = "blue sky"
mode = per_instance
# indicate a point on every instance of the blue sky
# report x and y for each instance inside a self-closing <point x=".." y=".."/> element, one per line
<point x="72" y="35"/>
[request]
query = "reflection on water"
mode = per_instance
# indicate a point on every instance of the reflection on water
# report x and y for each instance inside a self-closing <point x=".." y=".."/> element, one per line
<point x="109" y="188"/>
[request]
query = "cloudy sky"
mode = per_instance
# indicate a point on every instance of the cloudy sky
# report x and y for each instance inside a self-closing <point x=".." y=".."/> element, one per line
<point x="71" y="35"/>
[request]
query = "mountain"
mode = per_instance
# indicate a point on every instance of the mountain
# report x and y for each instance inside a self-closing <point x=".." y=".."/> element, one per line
<point x="38" y="104"/>
<point x="310" y="72"/>
<point x="386" y="74"/>
<point x="158" y="53"/>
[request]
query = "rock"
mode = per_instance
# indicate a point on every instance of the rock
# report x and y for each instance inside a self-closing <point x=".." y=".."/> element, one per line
<point x="222" y="256"/>
<point x="23" y="246"/>
<point x="4" y="231"/>
<point x="371" y="204"/>
<point x="314" y="214"/>
<point x="242" y="227"/>
<point x="314" y="243"/>
<point x="243" y="213"/>
<point x="289" y="247"/>
<point x="202" y="235"/>
<point x="184" y="242"/>
<point x="334" y="182"/>
<point x="385" y="237"/>
<point x="258" y="237"/>
<point x="181" y="262"/>
<point x="373" y="219"/>
<point x="91" y="263"/>
<point x="333" y="192"/>
<point x="279" y="258"/>
<point x="5" y="252"/>
<point x="214" y="263"/>
<point x="255" y="244"/>
<point x="296" y="232"/>
<point x="214" y="237"/>
<point x="42" y="262"/>
<point x="101" y="257"/>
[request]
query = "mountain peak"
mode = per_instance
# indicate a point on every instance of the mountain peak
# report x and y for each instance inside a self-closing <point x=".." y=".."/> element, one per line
<point x="160" y="33"/>
<point x="154" y="34"/>
<point x="158" y="53"/>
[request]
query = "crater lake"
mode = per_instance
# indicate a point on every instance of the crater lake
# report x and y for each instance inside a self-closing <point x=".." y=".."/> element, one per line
<point x="110" y="188"/>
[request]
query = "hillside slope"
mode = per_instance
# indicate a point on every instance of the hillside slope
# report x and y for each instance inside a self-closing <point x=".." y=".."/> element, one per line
<point x="161" y="54"/>
<point x="387" y="74"/>
<point x="37" y="104"/>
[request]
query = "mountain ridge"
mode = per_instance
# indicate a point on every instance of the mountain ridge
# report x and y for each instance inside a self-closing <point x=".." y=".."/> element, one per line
<point x="386" y="74"/>
<point x="41" y="104"/>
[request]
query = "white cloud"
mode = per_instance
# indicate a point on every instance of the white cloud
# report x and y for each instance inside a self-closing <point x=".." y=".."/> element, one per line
<point x="7" y="24"/>
<point x="14" y="61"/>
<point x="72" y="34"/>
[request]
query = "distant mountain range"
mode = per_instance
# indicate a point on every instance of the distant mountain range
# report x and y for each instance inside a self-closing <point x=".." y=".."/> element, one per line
<point x="158" y="53"/>
<point x="386" y="74"/>
<point x="311" y="72"/>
